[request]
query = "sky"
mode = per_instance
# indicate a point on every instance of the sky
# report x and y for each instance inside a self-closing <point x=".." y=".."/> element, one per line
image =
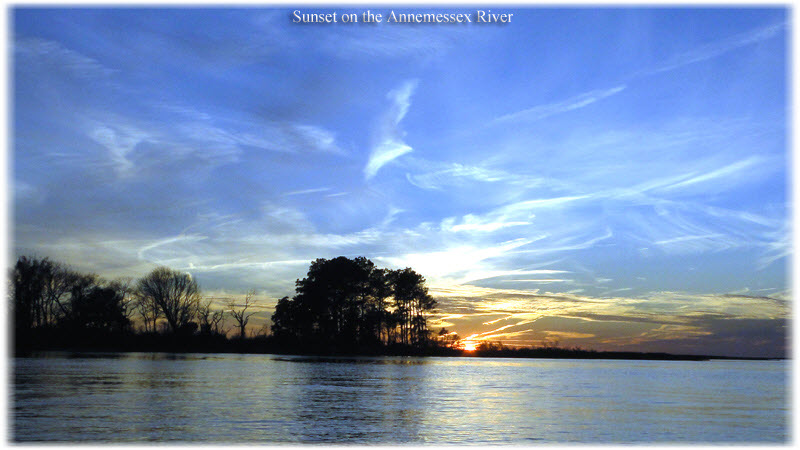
<point x="609" y="178"/>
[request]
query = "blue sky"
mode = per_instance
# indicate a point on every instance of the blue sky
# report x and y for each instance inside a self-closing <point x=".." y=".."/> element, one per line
<point x="610" y="178"/>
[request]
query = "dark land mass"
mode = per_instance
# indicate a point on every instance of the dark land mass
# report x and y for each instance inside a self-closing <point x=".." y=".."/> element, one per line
<point x="344" y="307"/>
<point x="167" y="343"/>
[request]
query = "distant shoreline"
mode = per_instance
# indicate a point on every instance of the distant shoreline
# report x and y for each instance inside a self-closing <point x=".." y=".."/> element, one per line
<point x="524" y="353"/>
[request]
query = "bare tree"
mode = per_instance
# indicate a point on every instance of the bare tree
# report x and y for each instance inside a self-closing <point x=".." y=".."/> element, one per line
<point x="41" y="292"/>
<point x="210" y="320"/>
<point x="148" y="310"/>
<point x="124" y="286"/>
<point x="59" y="282"/>
<point x="239" y="312"/>
<point x="218" y="322"/>
<point x="264" y="330"/>
<point x="174" y="293"/>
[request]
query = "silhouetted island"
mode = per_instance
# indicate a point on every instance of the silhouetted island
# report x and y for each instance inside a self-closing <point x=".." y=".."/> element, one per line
<point x="343" y="307"/>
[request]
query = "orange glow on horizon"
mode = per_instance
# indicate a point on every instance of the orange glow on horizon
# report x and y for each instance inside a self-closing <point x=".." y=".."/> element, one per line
<point x="470" y="346"/>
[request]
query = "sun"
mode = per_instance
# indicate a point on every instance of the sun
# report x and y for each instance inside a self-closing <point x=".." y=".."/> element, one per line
<point x="470" y="346"/>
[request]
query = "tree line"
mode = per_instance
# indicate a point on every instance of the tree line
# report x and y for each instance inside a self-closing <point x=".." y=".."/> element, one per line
<point x="351" y="303"/>
<point x="342" y="305"/>
<point x="53" y="304"/>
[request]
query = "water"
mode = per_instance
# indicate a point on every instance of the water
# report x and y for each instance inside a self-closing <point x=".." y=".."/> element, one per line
<point x="141" y="397"/>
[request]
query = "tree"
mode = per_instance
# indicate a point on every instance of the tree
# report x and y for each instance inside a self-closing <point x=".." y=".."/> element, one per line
<point x="290" y="322"/>
<point x="239" y="312"/>
<point x="148" y="310"/>
<point x="55" y="304"/>
<point x="45" y="292"/>
<point x="411" y="302"/>
<point x="210" y="321"/>
<point x="174" y="294"/>
<point x="339" y="299"/>
<point x="344" y="303"/>
<point x="41" y="289"/>
<point x="28" y="288"/>
<point x="59" y="285"/>
<point x="448" y="338"/>
<point x="98" y="308"/>
<point x="124" y="286"/>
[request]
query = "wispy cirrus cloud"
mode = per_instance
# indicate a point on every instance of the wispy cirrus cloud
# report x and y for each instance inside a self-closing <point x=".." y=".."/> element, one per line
<point x="699" y="54"/>
<point x="644" y="323"/>
<point x="130" y="141"/>
<point x="196" y="151"/>
<point x="306" y="191"/>
<point x="120" y="143"/>
<point x="661" y="205"/>
<point x="440" y="176"/>
<point x="718" y="48"/>
<point x="50" y="55"/>
<point x="279" y="136"/>
<point x="727" y="171"/>
<point x="511" y="215"/>
<point x="457" y="263"/>
<point x="543" y="111"/>
<point x="389" y="143"/>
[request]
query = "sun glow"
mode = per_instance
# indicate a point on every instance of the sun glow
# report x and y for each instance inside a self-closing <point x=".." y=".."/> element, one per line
<point x="470" y="346"/>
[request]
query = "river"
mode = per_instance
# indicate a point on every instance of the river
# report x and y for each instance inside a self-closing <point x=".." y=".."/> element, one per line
<point x="220" y="398"/>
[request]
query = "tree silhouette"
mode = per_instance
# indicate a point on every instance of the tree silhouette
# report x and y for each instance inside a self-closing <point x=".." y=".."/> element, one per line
<point x="289" y="323"/>
<point x="55" y="304"/>
<point x="59" y="282"/>
<point x="148" y="311"/>
<point x="27" y="284"/>
<point x="46" y="293"/>
<point x="175" y="295"/>
<point x="98" y="308"/>
<point x="342" y="305"/>
<point x="349" y="303"/>
<point x="448" y="338"/>
<point x="239" y="312"/>
<point x="411" y="302"/>
<point x="124" y="285"/>
<point x="210" y="321"/>
<point x="336" y="299"/>
<point x="41" y="292"/>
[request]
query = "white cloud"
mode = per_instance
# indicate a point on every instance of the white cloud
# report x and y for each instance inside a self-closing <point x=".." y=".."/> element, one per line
<point x="551" y="109"/>
<point x="730" y="170"/>
<point x="195" y="135"/>
<point x="441" y="176"/>
<point x="457" y="264"/>
<point x="390" y="145"/>
<point x="27" y="192"/>
<point x="539" y="203"/>
<point x="778" y="245"/>
<point x="119" y="142"/>
<point x="317" y="139"/>
<point x="306" y="191"/>
<point x="384" y="153"/>
<point x="155" y="251"/>
<point x="718" y="48"/>
<point x="56" y="57"/>
<point x="273" y="136"/>
<point x="473" y="225"/>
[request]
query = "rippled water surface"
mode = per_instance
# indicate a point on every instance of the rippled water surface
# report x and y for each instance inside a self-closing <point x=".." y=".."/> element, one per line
<point x="141" y="397"/>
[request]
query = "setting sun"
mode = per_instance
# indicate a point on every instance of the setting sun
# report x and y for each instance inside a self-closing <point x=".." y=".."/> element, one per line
<point x="470" y="346"/>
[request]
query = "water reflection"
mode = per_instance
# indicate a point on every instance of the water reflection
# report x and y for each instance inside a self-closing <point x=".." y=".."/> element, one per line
<point x="272" y="399"/>
<point x="357" y="399"/>
<point x="350" y="360"/>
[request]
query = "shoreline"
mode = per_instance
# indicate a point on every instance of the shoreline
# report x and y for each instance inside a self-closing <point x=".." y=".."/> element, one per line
<point x="545" y="353"/>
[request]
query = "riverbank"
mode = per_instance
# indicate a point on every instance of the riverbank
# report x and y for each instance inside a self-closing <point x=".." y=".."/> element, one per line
<point x="165" y="343"/>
